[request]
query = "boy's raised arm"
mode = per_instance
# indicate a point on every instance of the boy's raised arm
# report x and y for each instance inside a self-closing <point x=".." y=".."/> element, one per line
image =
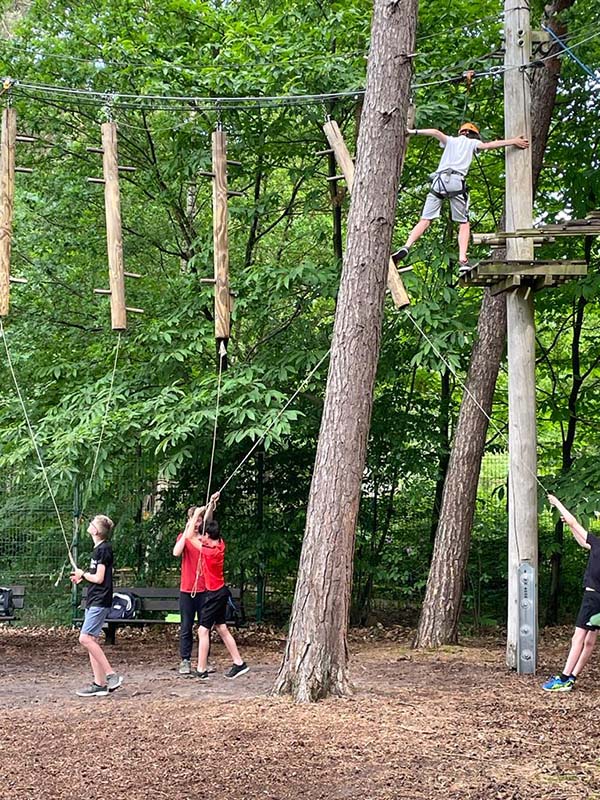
<point x="577" y="529"/>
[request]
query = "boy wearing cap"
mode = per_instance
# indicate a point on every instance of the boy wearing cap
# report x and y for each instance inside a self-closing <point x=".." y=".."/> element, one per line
<point x="448" y="183"/>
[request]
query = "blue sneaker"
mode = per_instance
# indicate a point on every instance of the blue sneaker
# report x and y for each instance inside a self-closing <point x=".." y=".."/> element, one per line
<point x="556" y="684"/>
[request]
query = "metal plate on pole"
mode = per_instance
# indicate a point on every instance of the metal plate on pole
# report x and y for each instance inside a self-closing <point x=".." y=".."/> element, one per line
<point x="527" y="643"/>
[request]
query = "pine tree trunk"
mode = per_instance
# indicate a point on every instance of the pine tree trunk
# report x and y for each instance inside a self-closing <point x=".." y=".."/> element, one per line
<point x="438" y="623"/>
<point x="316" y="657"/>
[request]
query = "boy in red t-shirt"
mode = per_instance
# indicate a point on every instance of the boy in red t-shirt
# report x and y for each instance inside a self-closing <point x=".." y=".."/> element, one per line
<point x="192" y="588"/>
<point x="212" y="553"/>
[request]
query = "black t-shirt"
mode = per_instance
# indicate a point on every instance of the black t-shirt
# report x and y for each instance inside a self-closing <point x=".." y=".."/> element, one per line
<point x="591" y="579"/>
<point x="100" y="594"/>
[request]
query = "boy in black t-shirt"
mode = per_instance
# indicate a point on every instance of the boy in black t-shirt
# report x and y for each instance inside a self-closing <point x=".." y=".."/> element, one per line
<point x="586" y="633"/>
<point x="99" y="600"/>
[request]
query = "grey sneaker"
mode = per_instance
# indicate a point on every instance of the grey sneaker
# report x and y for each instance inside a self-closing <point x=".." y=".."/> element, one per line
<point x="113" y="681"/>
<point x="237" y="670"/>
<point x="93" y="691"/>
<point x="185" y="668"/>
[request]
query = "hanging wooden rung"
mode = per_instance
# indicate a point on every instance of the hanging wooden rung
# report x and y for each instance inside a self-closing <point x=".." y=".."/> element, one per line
<point x="325" y="152"/>
<point x="126" y="169"/>
<point x="205" y="173"/>
<point x="134" y="310"/>
<point x="335" y="178"/>
<point x="207" y="280"/>
<point x="95" y="180"/>
<point x="26" y="170"/>
<point x="231" y="193"/>
<point x="102" y="291"/>
<point x="234" y="163"/>
<point x="132" y="274"/>
<point x="12" y="279"/>
<point x="21" y="138"/>
<point x="94" y="150"/>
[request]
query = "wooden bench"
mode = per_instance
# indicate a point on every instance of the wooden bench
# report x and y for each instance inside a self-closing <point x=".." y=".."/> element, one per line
<point x="156" y="603"/>
<point x="18" y="596"/>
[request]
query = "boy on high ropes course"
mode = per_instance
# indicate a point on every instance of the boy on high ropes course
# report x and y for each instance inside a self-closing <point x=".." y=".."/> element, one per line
<point x="448" y="183"/>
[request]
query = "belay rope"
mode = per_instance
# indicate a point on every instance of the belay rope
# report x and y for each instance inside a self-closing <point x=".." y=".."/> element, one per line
<point x="222" y="354"/>
<point x="36" y="446"/>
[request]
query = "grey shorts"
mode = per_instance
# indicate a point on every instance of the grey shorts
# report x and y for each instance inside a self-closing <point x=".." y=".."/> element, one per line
<point x="93" y="620"/>
<point x="459" y="206"/>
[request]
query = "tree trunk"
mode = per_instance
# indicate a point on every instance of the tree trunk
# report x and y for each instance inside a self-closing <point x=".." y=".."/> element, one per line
<point x="316" y="657"/>
<point x="438" y="623"/>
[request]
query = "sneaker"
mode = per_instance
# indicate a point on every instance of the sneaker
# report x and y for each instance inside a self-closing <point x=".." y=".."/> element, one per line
<point x="202" y="676"/>
<point x="185" y="668"/>
<point x="237" y="670"/>
<point x="464" y="267"/>
<point x="556" y="684"/>
<point x="113" y="681"/>
<point x="399" y="255"/>
<point x="93" y="691"/>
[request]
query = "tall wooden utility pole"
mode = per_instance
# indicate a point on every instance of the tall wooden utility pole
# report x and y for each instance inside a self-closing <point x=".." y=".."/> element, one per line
<point x="522" y="488"/>
<point x="221" y="240"/>
<point x="114" y="236"/>
<point x="7" y="190"/>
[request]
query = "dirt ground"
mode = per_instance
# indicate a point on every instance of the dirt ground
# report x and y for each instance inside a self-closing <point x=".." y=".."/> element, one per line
<point x="452" y="724"/>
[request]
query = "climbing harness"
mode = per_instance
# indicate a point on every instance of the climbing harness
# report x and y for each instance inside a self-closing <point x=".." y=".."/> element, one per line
<point x="439" y="185"/>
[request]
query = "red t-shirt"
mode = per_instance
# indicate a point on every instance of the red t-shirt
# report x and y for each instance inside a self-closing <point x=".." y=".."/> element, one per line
<point x="189" y="567"/>
<point x="212" y="566"/>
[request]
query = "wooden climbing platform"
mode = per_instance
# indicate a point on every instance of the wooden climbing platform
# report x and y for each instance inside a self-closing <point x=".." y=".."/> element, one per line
<point x="503" y="275"/>
<point x="590" y="226"/>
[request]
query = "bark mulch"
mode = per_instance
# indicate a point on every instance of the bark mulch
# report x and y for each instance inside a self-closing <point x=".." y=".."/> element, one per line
<point x="451" y="724"/>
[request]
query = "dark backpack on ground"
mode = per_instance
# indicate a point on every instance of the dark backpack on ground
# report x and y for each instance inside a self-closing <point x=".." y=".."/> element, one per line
<point x="7" y="606"/>
<point x="233" y="612"/>
<point x="125" y="605"/>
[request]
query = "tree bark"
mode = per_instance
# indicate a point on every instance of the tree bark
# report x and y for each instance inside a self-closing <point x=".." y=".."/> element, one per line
<point x="315" y="664"/>
<point x="438" y="623"/>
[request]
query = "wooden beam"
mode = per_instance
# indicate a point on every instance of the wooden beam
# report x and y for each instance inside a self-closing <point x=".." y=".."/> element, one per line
<point x="346" y="164"/>
<point x="114" y="234"/>
<point x="7" y="193"/>
<point x="221" y="237"/>
<point x="522" y="434"/>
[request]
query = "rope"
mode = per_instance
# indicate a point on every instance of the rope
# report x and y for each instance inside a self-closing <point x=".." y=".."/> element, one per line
<point x="222" y="354"/>
<point x="277" y="418"/>
<point x="86" y="496"/>
<point x="470" y="394"/>
<point x="35" y="444"/>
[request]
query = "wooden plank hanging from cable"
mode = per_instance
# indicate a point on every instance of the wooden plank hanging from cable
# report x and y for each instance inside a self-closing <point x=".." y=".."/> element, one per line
<point x="345" y="163"/>
<point x="7" y="192"/>
<point x="114" y="236"/>
<point x="221" y="238"/>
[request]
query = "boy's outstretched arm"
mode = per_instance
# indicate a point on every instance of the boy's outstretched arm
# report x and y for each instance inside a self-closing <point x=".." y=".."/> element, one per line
<point x="439" y="135"/>
<point x="577" y="529"/>
<point x="517" y="141"/>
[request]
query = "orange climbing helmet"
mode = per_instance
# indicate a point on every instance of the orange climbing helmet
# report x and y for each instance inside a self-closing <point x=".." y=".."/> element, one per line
<point x="470" y="130"/>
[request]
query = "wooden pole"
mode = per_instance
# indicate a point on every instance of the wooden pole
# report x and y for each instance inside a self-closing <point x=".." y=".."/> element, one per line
<point x="7" y="192"/>
<point x="114" y="237"/>
<point x="345" y="163"/>
<point x="221" y="240"/>
<point x="522" y="485"/>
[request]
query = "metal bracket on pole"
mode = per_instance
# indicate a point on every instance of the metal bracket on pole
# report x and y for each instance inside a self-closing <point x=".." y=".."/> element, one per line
<point x="527" y="642"/>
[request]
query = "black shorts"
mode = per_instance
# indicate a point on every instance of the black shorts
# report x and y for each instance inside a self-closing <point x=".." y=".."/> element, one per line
<point x="590" y="605"/>
<point x="213" y="610"/>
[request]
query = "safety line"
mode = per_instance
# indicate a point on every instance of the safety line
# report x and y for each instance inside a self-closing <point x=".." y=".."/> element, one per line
<point x="470" y="394"/>
<point x="570" y="53"/>
<point x="277" y="418"/>
<point x="35" y="444"/>
<point x="87" y="495"/>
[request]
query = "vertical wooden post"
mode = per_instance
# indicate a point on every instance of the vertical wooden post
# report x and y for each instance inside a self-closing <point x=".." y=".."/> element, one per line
<point x="522" y="494"/>
<point x="221" y="238"/>
<point x="114" y="236"/>
<point x="7" y="192"/>
<point x="338" y="145"/>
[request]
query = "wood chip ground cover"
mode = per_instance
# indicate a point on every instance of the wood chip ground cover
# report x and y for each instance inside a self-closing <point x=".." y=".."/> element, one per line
<point x="452" y="724"/>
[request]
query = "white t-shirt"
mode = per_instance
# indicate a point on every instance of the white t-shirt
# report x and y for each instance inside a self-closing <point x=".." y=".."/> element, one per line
<point x="458" y="154"/>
